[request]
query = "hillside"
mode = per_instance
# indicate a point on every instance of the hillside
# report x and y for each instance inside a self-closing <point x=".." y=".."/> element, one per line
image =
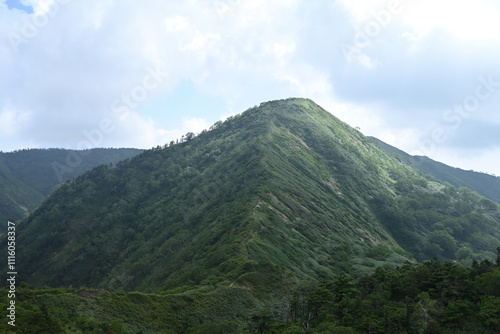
<point x="27" y="177"/>
<point x="286" y="184"/>
<point x="484" y="184"/>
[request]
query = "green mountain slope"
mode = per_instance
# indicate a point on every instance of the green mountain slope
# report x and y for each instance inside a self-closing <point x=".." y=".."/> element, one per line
<point x="484" y="184"/>
<point x="27" y="177"/>
<point x="286" y="183"/>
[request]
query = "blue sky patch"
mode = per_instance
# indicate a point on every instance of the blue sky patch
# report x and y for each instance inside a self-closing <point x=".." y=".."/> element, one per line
<point x="185" y="101"/>
<point x="17" y="4"/>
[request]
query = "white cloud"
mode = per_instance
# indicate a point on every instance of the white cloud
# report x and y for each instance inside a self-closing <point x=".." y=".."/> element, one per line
<point x="194" y="124"/>
<point x="176" y="23"/>
<point x="12" y="121"/>
<point x="88" y="54"/>
<point x="467" y="20"/>
<point x="485" y="161"/>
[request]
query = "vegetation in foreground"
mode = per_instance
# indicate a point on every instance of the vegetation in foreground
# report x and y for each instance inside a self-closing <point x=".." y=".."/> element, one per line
<point x="432" y="297"/>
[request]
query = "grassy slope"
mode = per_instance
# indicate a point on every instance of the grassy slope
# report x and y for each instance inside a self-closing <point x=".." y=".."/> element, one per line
<point x="311" y="220"/>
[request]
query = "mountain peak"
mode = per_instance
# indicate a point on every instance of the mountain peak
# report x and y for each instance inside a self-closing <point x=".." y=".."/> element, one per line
<point x="285" y="183"/>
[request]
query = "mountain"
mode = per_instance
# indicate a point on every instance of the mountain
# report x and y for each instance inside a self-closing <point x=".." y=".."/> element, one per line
<point x="485" y="184"/>
<point x="282" y="192"/>
<point x="27" y="177"/>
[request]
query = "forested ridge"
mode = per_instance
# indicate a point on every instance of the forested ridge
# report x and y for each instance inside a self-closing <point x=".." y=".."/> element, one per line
<point x="247" y="225"/>
<point x="28" y="176"/>
<point x="486" y="184"/>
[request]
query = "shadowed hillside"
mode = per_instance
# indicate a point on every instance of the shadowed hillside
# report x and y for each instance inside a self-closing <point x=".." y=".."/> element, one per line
<point x="27" y="177"/>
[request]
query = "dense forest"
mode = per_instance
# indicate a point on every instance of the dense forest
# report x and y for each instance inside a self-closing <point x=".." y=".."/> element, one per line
<point x="432" y="297"/>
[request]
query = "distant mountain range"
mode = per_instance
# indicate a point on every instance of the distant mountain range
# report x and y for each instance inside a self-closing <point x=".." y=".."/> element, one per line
<point x="27" y="177"/>
<point x="485" y="184"/>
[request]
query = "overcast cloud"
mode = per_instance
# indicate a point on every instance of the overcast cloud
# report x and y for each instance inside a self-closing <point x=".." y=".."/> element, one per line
<point x="421" y="75"/>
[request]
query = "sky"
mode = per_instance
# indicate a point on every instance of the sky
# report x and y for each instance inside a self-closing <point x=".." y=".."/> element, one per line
<point x="421" y="75"/>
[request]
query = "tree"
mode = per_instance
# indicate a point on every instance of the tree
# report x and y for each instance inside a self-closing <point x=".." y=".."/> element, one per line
<point x="489" y="310"/>
<point x="487" y="204"/>
<point x="445" y="241"/>
<point x="464" y="253"/>
<point x="498" y="256"/>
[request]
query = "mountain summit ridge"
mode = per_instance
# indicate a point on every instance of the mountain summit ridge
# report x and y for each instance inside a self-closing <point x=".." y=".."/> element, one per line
<point x="285" y="184"/>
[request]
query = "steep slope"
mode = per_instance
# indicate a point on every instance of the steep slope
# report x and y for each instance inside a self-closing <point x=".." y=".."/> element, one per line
<point x="166" y="218"/>
<point x="28" y="176"/>
<point x="314" y="213"/>
<point x="484" y="184"/>
<point x="285" y="183"/>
